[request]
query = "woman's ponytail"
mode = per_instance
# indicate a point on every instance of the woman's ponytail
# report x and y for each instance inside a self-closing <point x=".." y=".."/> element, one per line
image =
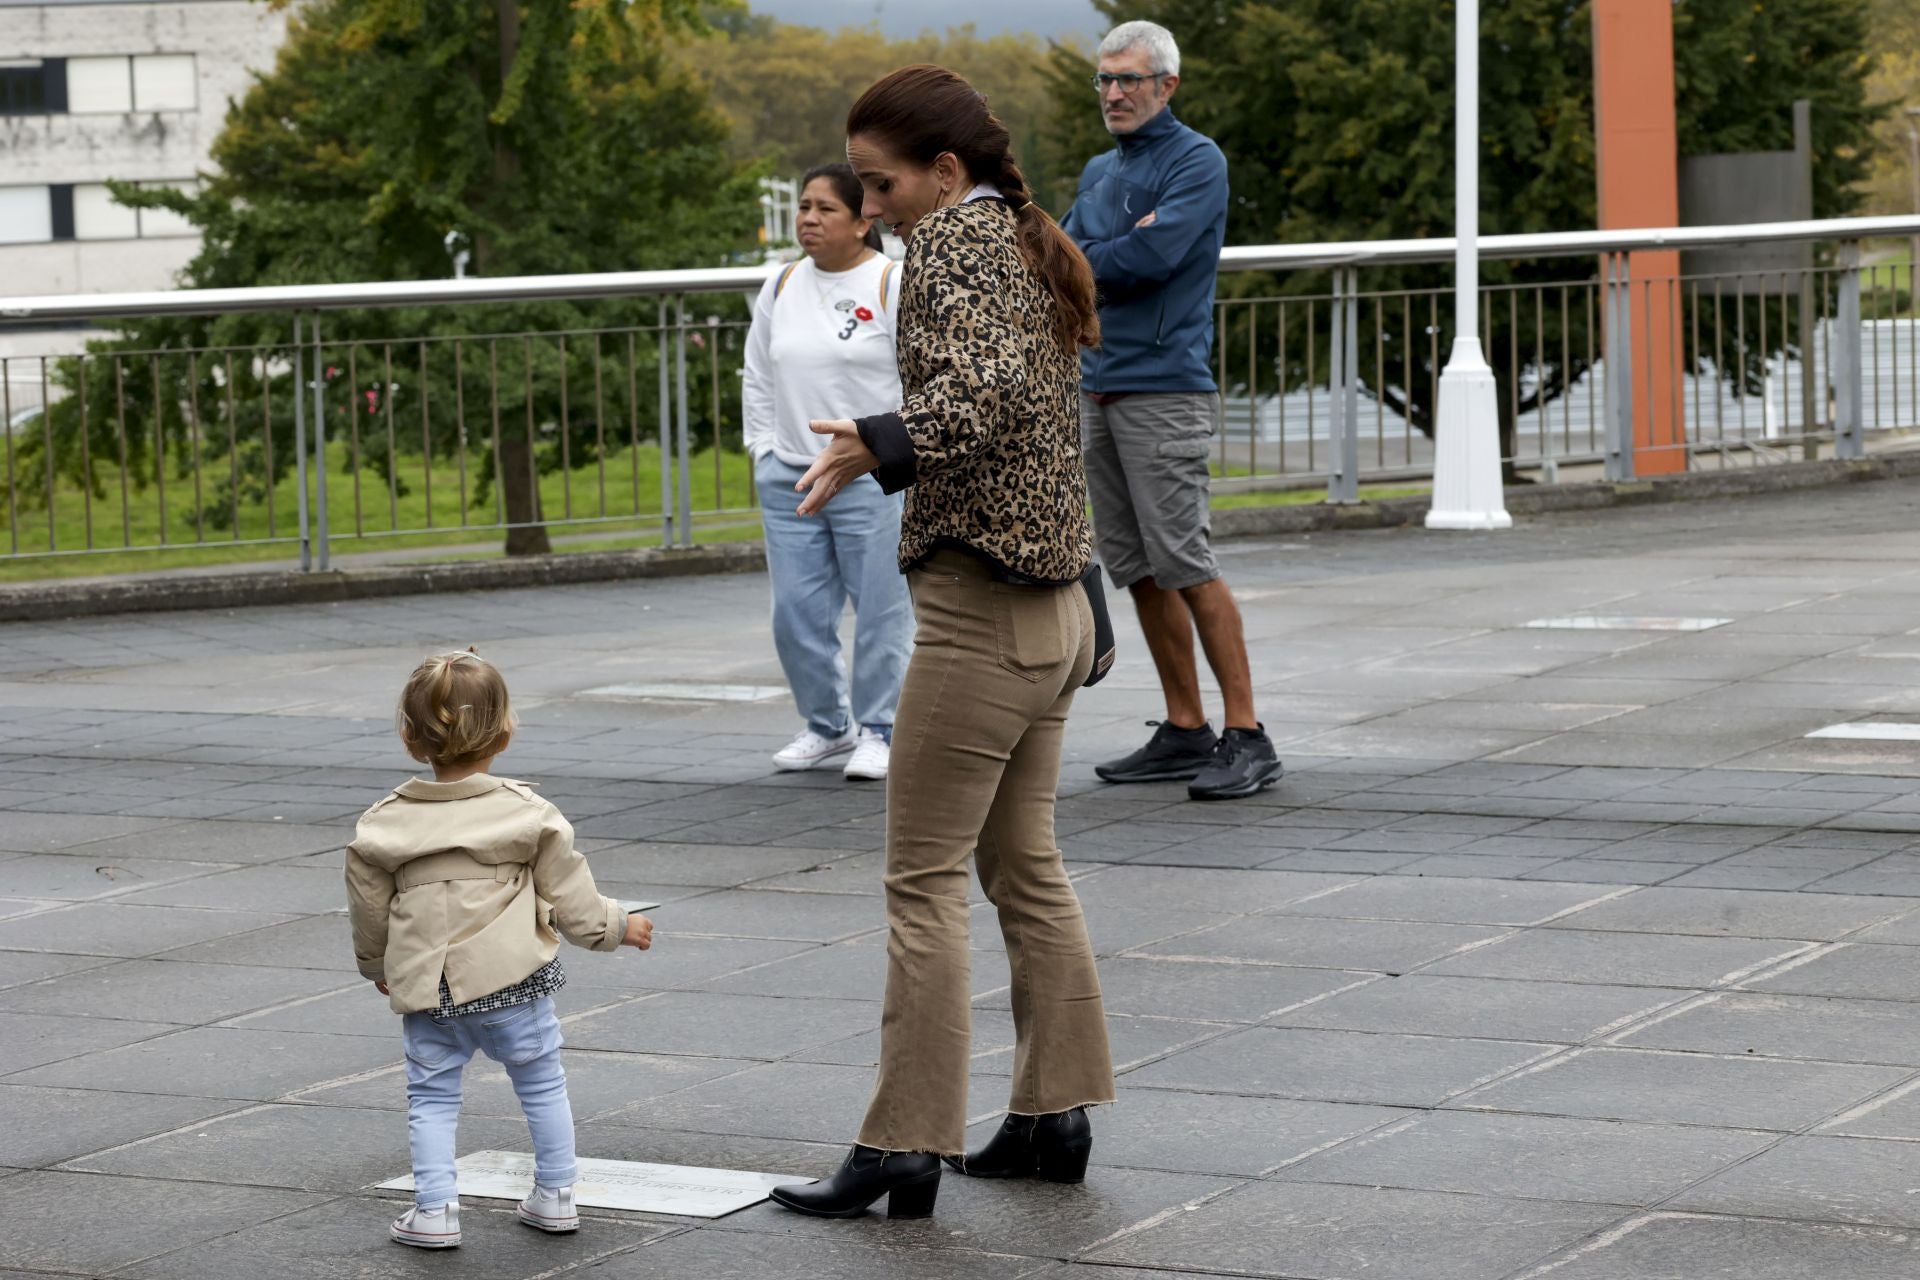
<point x="1057" y="260"/>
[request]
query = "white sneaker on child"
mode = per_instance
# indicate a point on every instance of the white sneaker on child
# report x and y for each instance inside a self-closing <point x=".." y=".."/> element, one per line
<point x="809" y="749"/>
<point x="435" y="1228"/>
<point x="870" y="755"/>
<point x="550" y="1209"/>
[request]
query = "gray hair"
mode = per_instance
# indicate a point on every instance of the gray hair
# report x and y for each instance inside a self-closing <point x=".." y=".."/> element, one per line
<point x="1163" y="55"/>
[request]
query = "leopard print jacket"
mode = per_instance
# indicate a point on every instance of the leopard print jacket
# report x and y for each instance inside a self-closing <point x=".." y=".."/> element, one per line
<point x="987" y="440"/>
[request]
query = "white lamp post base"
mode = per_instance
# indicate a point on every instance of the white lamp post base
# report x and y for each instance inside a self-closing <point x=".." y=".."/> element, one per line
<point x="1466" y="462"/>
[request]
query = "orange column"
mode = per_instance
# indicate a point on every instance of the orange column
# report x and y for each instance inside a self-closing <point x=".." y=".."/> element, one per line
<point x="1639" y="177"/>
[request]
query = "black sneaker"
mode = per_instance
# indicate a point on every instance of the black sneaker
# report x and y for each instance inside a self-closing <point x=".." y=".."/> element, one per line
<point x="1244" y="762"/>
<point x="1173" y="754"/>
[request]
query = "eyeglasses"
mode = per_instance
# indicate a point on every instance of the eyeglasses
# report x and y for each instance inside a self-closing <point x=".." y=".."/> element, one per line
<point x="1128" y="81"/>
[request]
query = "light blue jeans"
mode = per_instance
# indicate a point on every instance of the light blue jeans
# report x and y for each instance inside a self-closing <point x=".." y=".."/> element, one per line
<point x="525" y="1039"/>
<point x="851" y="549"/>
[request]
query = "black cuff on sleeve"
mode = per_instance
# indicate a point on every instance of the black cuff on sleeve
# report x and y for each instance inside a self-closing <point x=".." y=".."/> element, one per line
<point x="885" y="435"/>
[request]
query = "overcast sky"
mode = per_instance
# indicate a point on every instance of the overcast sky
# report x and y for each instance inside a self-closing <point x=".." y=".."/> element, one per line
<point x="910" y="17"/>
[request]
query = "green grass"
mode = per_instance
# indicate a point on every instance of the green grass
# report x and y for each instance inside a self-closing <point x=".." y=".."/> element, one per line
<point x="1306" y="497"/>
<point x="1896" y="253"/>
<point x="378" y="519"/>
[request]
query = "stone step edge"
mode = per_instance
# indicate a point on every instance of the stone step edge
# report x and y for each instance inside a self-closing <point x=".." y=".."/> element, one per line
<point x="158" y="592"/>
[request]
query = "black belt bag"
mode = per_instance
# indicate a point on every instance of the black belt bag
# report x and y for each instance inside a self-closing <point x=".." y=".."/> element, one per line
<point x="1102" y="625"/>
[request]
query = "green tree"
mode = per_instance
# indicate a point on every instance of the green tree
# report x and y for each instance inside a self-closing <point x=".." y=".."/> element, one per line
<point x="1895" y="84"/>
<point x="1336" y="117"/>
<point x="786" y="88"/>
<point x="555" y="135"/>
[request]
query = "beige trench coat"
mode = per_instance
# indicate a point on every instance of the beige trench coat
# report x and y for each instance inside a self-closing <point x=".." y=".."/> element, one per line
<point x="470" y="879"/>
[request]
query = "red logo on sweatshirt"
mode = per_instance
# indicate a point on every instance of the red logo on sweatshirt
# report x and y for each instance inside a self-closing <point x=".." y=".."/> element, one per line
<point x="861" y="313"/>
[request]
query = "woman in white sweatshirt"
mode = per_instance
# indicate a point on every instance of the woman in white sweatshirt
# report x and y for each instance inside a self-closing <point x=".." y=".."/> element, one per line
<point x="821" y="346"/>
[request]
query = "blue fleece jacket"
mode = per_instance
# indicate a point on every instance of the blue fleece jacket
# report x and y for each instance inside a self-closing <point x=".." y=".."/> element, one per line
<point x="1156" y="282"/>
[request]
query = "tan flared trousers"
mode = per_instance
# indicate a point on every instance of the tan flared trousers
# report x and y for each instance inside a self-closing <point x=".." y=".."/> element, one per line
<point x="975" y="768"/>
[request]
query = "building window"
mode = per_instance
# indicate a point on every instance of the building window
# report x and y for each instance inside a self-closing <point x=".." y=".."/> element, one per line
<point x="99" y="85"/>
<point x="144" y="82"/>
<point x="33" y="87"/>
<point x="164" y="82"/>
<point x="26" y="215"/>
<point x="97" y="217"/>
<point x="85" y="211"/>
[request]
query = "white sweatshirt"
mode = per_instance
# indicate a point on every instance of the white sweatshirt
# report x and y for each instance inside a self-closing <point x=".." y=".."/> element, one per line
<point x="820" y="347"/>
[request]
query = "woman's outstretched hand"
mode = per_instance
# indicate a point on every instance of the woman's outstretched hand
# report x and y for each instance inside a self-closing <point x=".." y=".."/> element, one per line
<point x="845" y="459"/>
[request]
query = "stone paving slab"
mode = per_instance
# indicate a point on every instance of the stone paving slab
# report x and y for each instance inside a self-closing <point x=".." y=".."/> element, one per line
<point x="1863" y="1180"/>
<point x="1687" y="1088"/>
<point x="1534" y="1157"/>
<point x="1305" y="1229"/>
<point x="1810" y="1027"/>
<point x="328" y="1242"/>
<point x="1555" y="954"/>
<point x="1223" y="1134"/>
<point x="1676" y="1246"/>
<point x="1484" y="1008"/>
<point x="1654" y="960"/>
<point x="184" y="992"/>
<point x="1019" y="1217"/>
<point x="300" y="1148"/>
<point x="1340" y="1066"/>
<point x="1736" y="914"/>
<point x="743" y="1256"/>
<point x="43" y="1126"/>
<point x="1867" y="971"/>
<point x="125" y="1215"/>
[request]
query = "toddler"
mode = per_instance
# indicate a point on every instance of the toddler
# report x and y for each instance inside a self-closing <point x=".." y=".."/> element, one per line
<point x="455" y="888"/>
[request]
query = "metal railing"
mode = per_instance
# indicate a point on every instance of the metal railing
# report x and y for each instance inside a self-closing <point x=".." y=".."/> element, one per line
<point x="331" y="426"/>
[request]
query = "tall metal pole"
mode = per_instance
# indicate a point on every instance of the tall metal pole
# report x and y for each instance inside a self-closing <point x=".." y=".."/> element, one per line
<point x="1466" y="462"/>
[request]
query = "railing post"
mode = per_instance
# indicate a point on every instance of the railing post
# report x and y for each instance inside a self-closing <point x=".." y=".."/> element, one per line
<point x="1809" y="369"/>
<point x="300" y="447"/>
<point x="1336" y="403"/>
<point x="1618" y="353"/>
<point x="1343" y="484"/>
<point x="1350" y="446"/>
<point x="683" y="447"/>
<point x="666" y="433"/>
<point x="321" y="543"/>
<point x="1844" y="358"/>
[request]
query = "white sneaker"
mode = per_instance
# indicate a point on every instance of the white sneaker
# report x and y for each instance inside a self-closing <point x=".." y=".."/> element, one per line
<point x="550" y="1210"/>
<point x="435" y="1228"/>
<point x="870" y="753"/>
<point x="809" y="749"/>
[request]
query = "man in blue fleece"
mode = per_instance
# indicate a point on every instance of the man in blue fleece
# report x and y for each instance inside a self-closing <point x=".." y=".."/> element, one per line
<point x="1151" y="215"/>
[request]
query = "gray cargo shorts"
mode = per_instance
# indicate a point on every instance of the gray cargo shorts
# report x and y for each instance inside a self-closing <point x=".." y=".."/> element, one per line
<point x="1146" y="459"/>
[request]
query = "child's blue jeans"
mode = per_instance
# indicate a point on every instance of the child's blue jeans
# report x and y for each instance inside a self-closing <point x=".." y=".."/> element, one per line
<point x="525" y="1039"/>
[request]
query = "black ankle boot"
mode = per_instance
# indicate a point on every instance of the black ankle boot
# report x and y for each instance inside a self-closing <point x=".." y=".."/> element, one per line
<point x="909" y="1179"/>
<point x="1054" y="1147"/>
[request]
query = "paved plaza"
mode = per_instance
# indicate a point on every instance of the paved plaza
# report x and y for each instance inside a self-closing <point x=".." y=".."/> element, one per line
<point x="1561" y="951"/>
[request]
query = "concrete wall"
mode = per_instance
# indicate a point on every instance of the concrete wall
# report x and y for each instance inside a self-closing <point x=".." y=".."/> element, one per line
<point x="94" y="266"/>
<point x="228" y="38"/>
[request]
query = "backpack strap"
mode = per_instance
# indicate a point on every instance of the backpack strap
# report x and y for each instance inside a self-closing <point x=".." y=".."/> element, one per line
<point x="785" y="271"/>
<point x="886" y="274"/>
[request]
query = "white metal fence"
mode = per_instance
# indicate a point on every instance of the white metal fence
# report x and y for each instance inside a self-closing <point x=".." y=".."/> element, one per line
<point x="344" y="421"/>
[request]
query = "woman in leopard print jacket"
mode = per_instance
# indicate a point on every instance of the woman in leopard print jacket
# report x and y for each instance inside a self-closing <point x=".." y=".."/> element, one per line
<point x="996" y="302"/>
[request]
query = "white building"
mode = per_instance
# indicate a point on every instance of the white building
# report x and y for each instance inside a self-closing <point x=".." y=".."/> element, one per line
<point x="135" y="91"/>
